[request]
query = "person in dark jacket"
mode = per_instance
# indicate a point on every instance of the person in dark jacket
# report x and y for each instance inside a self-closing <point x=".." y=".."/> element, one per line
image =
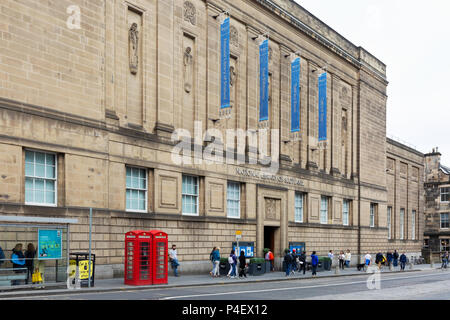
<point x="379" y="259"/>
<point x="2" y="256"/>
<point x="18" y="261"/>
<point x="403" y="261"/>
<point x="294" y="261"/>
<point x="395" y="258"/>
<point x="314" y="263"/>
<point x="29" y="261"/>
<point x="302" y="262"/>
<point x="242" y="263"/>
<point x="389" y="258"/>
<point x="287" y="261"/>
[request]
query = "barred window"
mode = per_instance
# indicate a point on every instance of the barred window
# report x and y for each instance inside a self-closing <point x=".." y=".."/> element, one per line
<point x="190" y="195"/>
<point x="402" y="224"/>
<point x="299" y="207"/>
<point x="136" y="189"/>
<point x="233" y="199"/>
<point x="389" y="222"/>
<point x="373" y="212"/>
<point x="346" y="212"/>
<point x="413" y="225"/>
<point x="40" y="178"/>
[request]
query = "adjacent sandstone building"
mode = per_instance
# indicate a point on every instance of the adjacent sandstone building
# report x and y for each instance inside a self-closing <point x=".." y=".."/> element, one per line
<point x="88" y="116"/>
<point x="437" y="207"/>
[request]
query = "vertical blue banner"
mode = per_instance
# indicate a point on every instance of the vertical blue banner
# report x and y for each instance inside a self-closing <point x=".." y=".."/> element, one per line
<point x="323" y="107"/>
<point x="295" y="95"/>
<point x="264" y="81"/>
<point x="225" y="64"/>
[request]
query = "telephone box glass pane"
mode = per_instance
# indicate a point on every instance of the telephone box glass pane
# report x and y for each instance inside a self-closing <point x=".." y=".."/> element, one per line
<point x="129" y="261"/>
<point x="144" y="261"/>
<point x="160" y="260"/>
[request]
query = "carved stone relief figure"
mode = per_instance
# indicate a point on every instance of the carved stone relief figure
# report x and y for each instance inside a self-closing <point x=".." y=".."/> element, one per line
<point x="271" y="208"/>
<point x="232" y="76"/>
<point x="190" y="14"/>
<point x="134" y="48"/>
<point x="188" y="62"/>
<point x="234" y="36"/>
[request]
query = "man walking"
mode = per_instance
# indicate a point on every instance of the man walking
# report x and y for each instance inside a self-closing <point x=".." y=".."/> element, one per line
<point x="174" y="260"/>
<point x="395" y="257"/>
<point x="348" y="258"/>
<point x="402" y="262"/>
<point x="287" y="262"/>
<point x="302" y="262"/>
<point x="314" y="263"/>
<point x="331" y="256"/>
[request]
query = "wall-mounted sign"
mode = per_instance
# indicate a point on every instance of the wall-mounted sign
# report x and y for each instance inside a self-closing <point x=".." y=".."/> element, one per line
<point x="247" y="247"/>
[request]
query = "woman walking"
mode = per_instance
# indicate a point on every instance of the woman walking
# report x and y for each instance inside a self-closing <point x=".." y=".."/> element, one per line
<point x="211" y="256"/>
<point x="314" y="263"/>
<point x="216" y="261"/>
<point x="341" y="260"/>
<point x="242" y="265"/>
<point x="232" y="261"/>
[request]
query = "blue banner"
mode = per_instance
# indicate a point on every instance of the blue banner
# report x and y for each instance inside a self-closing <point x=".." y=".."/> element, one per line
<point x="323" y="107"/>
<point x="247" y="247"/>
<point x="295" y="95"/>
<point x="49" y="244"/>
<point x="225" y="64"/>
<point x="264" y="81"/>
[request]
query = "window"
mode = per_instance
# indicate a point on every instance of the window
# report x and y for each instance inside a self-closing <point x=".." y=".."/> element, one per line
<point x="190" y="195"/>
<point x="402" y="224"/>
<point x="346" y="212"/>
<point x="389" y="222"/>
<point x="444" y="221"/>
<point x="233" y="200"/>
<point x="40" y="178"/>
<point x="445" y="194"/>
<point x="373" y="212"/>
<point x="324" y="210"/>
<point x="136" y="198"/>
<point x="413" y="225"/>
<point x="299" y="207"/>
<point x="445" y="245"/>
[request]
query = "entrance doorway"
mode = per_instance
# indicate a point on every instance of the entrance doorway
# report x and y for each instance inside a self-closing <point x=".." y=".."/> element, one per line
<point x="269" y="239"/>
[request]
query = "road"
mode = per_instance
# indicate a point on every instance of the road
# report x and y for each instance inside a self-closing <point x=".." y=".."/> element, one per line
<point x="425" y="285"/>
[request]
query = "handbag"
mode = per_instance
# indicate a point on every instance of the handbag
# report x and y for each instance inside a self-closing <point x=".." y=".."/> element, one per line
<point x="36" y="277"/>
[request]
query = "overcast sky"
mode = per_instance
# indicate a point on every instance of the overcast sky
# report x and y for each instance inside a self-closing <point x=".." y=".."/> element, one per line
<point x="412" y="37"/>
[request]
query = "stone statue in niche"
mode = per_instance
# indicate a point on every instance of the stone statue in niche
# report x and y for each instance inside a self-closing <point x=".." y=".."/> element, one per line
<point x="188" y="62"/>
<point x="133" y="48"/>
<point x="344" y="130"/>
<point x="232" y="76"/>
<point x="190" y="13"/>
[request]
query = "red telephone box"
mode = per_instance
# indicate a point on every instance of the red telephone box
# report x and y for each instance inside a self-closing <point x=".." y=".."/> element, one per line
<point x="159" y="258"/>
<point x="138" y="254"/>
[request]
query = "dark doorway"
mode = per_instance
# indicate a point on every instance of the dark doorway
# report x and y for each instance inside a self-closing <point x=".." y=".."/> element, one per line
<point x="269" y="238"/>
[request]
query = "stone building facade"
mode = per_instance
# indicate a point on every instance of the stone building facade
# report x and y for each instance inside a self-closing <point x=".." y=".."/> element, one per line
<point x="437" y="207"/>
<point x="97" y="106"/>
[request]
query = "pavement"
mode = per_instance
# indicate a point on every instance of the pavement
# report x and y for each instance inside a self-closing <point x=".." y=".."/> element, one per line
<point x="117" y="284"/>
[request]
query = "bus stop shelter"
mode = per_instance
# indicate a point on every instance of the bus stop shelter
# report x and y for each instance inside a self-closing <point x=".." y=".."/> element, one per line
<point x="50" y="238"/>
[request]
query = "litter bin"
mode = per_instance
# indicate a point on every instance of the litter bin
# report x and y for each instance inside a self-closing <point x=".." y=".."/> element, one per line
<point x="81" y="260"/>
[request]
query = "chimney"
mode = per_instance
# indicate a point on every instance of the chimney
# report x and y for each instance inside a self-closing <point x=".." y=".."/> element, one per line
<point x="432" y="163"/>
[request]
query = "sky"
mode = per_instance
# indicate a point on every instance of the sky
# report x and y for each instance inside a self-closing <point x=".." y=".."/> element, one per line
<point x="412" y="37"/>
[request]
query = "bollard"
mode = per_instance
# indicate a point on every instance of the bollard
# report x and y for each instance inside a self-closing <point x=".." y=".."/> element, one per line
<point x="391" y="267"/>
<point x="337" y="271"/>
<point x="431" y="265"/>
<point x="411" y="266"/>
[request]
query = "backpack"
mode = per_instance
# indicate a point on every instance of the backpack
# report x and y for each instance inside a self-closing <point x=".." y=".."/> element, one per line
<point x="230" y="260"/>
<point x="270" y="255"/>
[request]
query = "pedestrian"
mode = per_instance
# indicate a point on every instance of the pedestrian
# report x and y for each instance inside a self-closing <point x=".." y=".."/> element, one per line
<point x="379" y="260"/>
<point x="395" y="258"/>
<point x="314" y="263"/>
<point x="287" y="261"/>
<point x="331" y="256"/>
<point x="29" y="261"/>
<point x="403" y="261"/>
<point x="211" y="255"/>
<point x="294" y="266"/>
<point x="267" y="258"/>
<point x="302" y="262"/>
<point x="341" y="260"/>
<point x="271" y="258"/>
<point x="2" y="256"/>
<point x="216" y="261"/>
<point x="367" y="259"/>
<point x="232" y="261"/>
<point x="18" y="261"/>
<point x="444" y="260"/>
<point x="348" y="258"/>
<point x="173" y="257"/>
<point x="242" y="264"/>
<point x="389" y="257"/>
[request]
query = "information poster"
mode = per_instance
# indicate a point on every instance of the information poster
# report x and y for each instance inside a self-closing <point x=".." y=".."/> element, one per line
<point x="49" y="244"/>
